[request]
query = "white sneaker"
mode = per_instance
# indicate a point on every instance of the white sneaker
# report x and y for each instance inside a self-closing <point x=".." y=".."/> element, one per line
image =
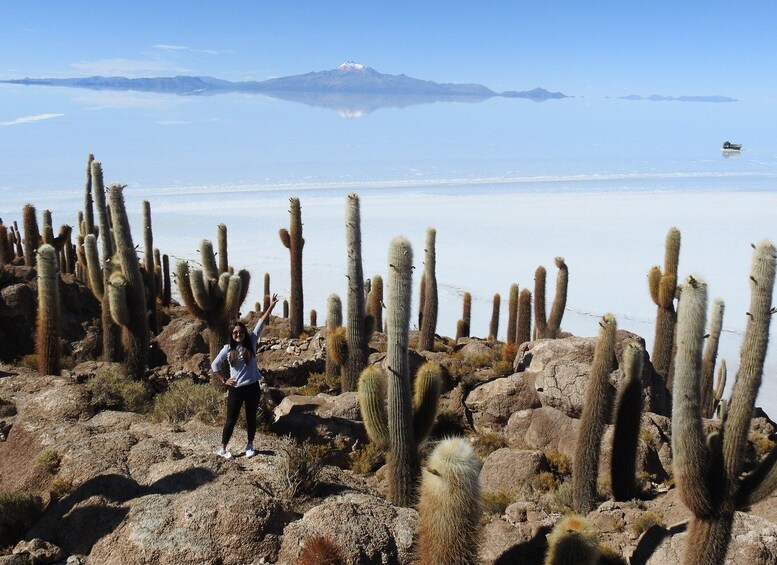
<point x="250" y="451"/>
<point x="224" y="453"/>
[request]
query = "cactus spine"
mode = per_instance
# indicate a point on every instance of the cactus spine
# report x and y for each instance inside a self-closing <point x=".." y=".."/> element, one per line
<point x="449" y="508"/>
<point x="360" y="326"/>
<point x="429" y="319"/>
<point x="663" y="287"/>
<point x="136" y="328"/>
<point x="708" y="470"/>
<point x="573" y="541"/>
<point x="493" y="328"/>
<point x="708" y="359"/>
<point x="211" y="295"/>
<point x="512" y="314"/>
<point x="596" y="410"/>
<point x="48" y="330"/>
<point x="628" y="417"/>
<point x="293" y="241"/>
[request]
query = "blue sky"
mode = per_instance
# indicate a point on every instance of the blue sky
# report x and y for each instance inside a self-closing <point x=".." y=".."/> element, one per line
<point x="580" y="48"/>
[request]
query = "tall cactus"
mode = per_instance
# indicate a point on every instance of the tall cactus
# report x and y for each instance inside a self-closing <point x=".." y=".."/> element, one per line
<point x="628" y="418"/>
<point x="493" y="328"/>
<point x="523" y="329"/>
<point x="463" y="325"/>
<point x="663" y="288"/>
<point x="111" y="330"/>
<point x="550" y="326"/>
<point x="596" y="410"/>
<point x="31" y="234"/>
<point x="449" y="509"/>
<point x="88" y="201"/>
<point x="266" y="295"/>
<point x="429" y="319"/>
<point x="48" y="328"/>
<point x="360" y="326"/>
<point x="6" y="253"/>
<point x="709" y="358"/>
<point x="148" y="263"/>
<point x="336" y="346"/>
<point x="293" y="241"/>
<point x="136" y="340"/>
<point x="708" y="470"/>
<point x="512" y="314"/>
<point x="375" y="304"/>
<point x="393" y="420"/>
<point x="211" y="295"/>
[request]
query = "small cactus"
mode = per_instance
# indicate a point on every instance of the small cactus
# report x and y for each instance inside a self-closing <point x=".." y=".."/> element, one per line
<point x="628" y="418"/>
<point x="663" y="288"/>
<point x="573" y="541"/>
<point x="493" y="328"/>
<point x="463" y="325"/>
<point x="449" y="509"/>
<point x="523" y="329"/>
<point x="321" y="550"/>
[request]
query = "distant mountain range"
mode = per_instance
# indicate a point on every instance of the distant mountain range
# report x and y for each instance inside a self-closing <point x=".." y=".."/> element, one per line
<point x="351" y="88"/>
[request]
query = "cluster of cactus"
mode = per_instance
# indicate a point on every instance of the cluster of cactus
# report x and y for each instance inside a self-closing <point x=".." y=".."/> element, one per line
<point x="711" y="397"/>
<point x="430" y="303"/>
<point x="293" y="241"/>
<point x="550" y="326"/>
<point x="360" y="324"/>
<point x="213" y="293"/>
<point x="394" y="421"/>
<point x="708" y="469"/>
<point x="596" y="411"/>
<point x="663" y="289"/>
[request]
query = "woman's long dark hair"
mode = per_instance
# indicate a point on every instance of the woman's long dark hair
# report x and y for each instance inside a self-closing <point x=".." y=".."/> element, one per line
<point x="245" y="347"/>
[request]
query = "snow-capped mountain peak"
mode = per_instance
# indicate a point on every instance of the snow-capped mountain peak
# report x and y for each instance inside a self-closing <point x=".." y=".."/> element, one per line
<point x="352" y="66"/>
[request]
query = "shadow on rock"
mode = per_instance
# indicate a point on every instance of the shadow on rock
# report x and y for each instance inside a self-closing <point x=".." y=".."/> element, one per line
<point x="98" y="506"/>
<point x="532" y="551"/>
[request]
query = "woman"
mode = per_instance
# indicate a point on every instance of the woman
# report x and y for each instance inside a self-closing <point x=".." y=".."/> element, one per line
<point x="243" y="381"/>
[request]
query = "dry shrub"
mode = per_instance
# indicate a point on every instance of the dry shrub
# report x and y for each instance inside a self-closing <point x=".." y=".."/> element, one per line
<point x="509" y="351"/>
<point x="326" y="383"/>
<point x="109" y="389"/>
<point x="488" y="442"/>
<point x="559" y="462"/>
<point x="480" y="360"/>
<point x="321" y="550"/>
<point x="48" y="460"/>
<point x="447" y="424"/>
<point x="185" y="400"/>
<point x="29" y="361"/>
<point x="366" y="459"/>
<point x="496" y="502"/>
<point x="60" y="487"/>
<point x="544" y="481"/>
<point x="301" y="467"/>
<point x="502" y="368"/>
<point x="645" y="521"/>
<point x="18" y="511"/>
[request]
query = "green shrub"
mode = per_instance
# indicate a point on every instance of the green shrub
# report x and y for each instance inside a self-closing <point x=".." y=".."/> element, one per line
<point x="366" y="458"/>
<point x="18" y="511"/>
<point x="186" y="400"/>
<point x="488" y="442"/>
<point x="480" y="360"/>
<point x="496" y="502"/>
<point x="109" y="389"/>
<point x="49" y="461"/>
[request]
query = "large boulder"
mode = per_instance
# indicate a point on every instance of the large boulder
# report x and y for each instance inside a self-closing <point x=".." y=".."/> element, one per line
<point x="492" y="403"/>
<point x="182" y="339"/>
<point x="367" y="528"/>
<point x="560" y="369"/>
<point x="510" y="470"/>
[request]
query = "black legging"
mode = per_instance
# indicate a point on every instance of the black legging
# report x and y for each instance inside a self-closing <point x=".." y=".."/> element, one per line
<point x="237" y="395"/>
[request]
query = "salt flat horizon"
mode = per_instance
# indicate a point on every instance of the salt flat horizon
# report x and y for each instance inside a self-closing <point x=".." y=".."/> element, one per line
<point x="489" y="236"/>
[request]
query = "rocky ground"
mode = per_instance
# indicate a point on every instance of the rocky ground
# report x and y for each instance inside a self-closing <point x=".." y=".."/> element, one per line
<point x="121" y="486"/>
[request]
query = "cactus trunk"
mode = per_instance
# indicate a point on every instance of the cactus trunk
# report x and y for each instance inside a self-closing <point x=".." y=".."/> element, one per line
<point x="48" y="328"/>
<point x="429" y="319"/>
